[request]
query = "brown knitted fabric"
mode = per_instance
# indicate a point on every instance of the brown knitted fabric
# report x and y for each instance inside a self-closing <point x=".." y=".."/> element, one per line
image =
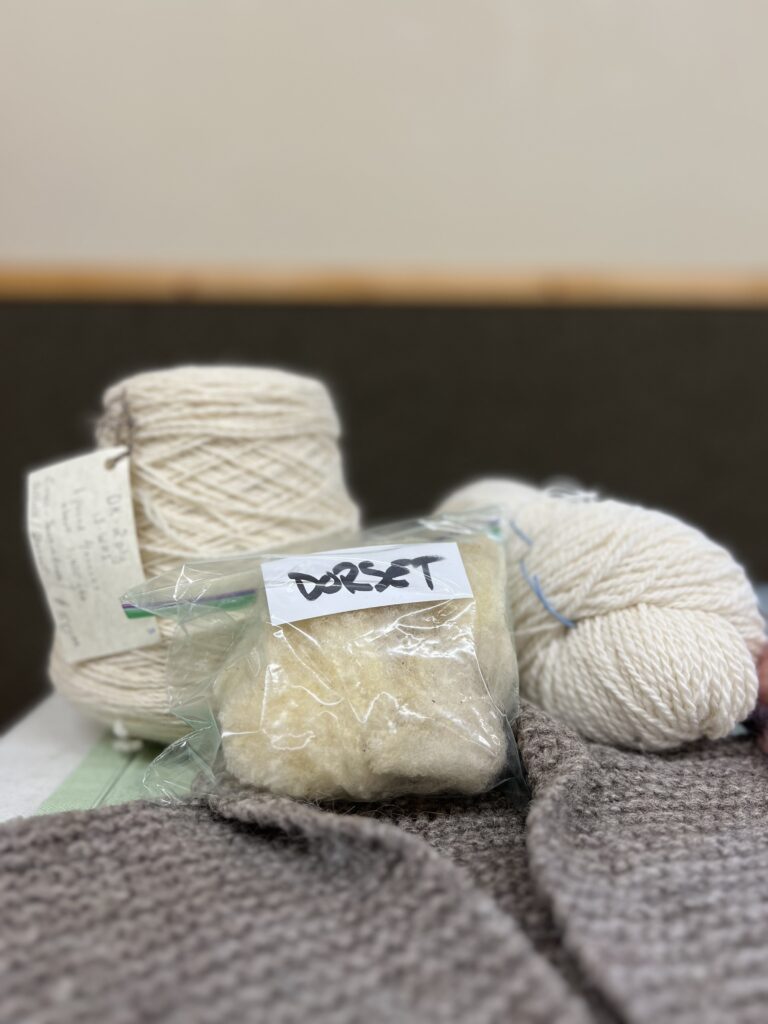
<point x="633" y="891"/>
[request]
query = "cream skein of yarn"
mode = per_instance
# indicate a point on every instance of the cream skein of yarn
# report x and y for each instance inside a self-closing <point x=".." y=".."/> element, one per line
<point x="223" y="459"/>
<point x="631" y="626"/>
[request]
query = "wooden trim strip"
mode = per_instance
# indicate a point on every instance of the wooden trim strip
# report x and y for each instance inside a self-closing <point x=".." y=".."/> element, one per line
<point x="384" y="287"/>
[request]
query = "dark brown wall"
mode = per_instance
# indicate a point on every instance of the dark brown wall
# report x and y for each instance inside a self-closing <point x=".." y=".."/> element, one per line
<point x="662" y="407"/>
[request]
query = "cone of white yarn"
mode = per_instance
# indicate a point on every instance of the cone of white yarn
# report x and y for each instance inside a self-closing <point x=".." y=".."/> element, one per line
<point x="631" y="626"/>
<point x="223" y="459"/>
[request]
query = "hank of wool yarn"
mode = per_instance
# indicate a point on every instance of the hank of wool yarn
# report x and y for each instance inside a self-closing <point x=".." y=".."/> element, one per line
<point x="223" y="459"/>
<point x="631" y="626"/>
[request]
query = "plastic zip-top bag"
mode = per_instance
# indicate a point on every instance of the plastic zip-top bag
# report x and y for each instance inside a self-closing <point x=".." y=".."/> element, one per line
<point x="381" y="668"/>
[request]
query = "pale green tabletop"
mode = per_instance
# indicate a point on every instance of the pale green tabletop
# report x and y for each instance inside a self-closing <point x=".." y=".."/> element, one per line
<point x="105" y="776"/>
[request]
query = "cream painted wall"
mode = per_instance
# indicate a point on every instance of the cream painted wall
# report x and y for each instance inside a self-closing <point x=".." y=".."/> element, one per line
<point x="328" y="133"/>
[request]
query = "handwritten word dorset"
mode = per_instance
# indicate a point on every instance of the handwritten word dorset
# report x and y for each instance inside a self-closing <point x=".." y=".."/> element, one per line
<point x="345" y="574"/>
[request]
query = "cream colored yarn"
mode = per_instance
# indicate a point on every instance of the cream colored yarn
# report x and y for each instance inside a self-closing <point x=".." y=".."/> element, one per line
<point x="630" y="625"/>
<point x="380" y="702"/>
<point x="223" y="459"/>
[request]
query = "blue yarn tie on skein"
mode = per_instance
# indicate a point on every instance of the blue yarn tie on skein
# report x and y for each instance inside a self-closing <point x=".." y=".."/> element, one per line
<point x="533" y="581"/>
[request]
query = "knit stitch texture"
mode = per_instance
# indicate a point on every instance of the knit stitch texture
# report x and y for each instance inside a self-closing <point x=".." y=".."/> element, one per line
<point x="629" y="889"/>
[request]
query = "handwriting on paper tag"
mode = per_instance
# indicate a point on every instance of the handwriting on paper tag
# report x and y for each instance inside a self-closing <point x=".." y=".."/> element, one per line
<point x="329" y="582"/>
<point x="83" y="538"/>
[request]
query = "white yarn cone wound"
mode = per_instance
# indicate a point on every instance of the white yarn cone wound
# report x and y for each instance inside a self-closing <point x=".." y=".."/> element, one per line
<point x="631" y="626"/>
<point x="223" y="459"/>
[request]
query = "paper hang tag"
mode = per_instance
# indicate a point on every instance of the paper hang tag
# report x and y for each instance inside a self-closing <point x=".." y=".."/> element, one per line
<point x="330" y="582"/>
<point x="83" y="537"/>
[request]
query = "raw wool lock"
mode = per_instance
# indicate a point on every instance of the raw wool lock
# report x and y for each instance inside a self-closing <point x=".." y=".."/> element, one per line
<point x="356" y="695"/>
<point x="630" y="625"/>
<point x="223" y="459"/>
<point x="381" y="702"/>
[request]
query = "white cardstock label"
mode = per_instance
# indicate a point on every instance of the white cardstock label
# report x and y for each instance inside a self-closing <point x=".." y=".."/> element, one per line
<point x="83" y="537"/>
<point x="329" y="582"/>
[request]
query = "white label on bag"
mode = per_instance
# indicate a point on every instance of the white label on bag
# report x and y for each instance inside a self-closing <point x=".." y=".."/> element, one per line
<point x="83" y="537"/>
<point x="329" y="582"/>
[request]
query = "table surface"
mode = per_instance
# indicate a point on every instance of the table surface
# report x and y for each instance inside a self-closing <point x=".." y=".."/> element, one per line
<point x="55" y="759"/>
<point x="40" y="752"/>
